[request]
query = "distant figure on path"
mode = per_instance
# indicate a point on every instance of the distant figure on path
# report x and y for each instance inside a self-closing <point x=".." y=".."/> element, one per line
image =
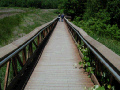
<point x="59" y="17"/>
<point x="62" y="17"/>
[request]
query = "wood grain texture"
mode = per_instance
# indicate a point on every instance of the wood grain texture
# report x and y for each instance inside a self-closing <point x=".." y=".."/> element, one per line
<point x="55" y="69"/>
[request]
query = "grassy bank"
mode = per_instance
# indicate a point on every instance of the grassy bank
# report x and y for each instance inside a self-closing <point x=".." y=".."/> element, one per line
<point x="20" y="24"/>
<point x="114" y="45"/>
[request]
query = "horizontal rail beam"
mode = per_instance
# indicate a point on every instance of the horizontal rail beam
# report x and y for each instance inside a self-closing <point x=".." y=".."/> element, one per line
<point x="102" y="60"/>
<point x="20" y="48"/>
<point x="24" y="55"/>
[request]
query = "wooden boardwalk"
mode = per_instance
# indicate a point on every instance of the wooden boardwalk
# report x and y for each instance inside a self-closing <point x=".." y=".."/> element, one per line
<point x="55" y="69"/>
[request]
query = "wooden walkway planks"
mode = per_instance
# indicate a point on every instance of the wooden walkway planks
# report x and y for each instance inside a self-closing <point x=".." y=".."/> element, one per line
<point x="55" y="69"/>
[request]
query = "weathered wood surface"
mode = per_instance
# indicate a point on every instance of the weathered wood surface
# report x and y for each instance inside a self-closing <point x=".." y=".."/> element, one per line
<point x="56" y="67"/>
<point x="112" y="58"/>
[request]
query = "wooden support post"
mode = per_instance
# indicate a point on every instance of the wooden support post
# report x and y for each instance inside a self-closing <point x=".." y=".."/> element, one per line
<point x="35" y="44"/>
<point x="40" y="37"/>
<point x="85" y="45"/>
<point x="47" y="30"/>
<point x="79" y="40"/>
<point x="19" y="60"/>
<point x="91" y="58"/>
<point x="100" y="68"/>
<point x="96" y="66"/>
<point x="30" y="49"/>
<point x="24" y="55"/>
<point x="111" y="80"/>
<point x="38" y="40"/>
<point x="50" y="28"/>
<point x="6" y="75"/>
<point x="43" y="34"/>
<point x="14" y="65"/>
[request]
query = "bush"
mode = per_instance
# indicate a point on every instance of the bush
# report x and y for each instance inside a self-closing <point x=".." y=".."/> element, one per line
<point x="99" y="27"/>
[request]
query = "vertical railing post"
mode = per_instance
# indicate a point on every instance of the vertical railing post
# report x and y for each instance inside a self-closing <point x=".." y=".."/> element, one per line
<point x="45" y="32"/>
<point x="79" y="41"/>
<point x="111" y="80"/>
<point x="30" y="49"/>
<point x="40" y="37"/>
<point x="24" y="55"/>
<point x="14" y="65"/>
<point x="7" y="75"/>
<point x="96" y="66"/>
<point x="50" y="27"/>
<point x="38" y="40"/>
<point x="48" y="30"/>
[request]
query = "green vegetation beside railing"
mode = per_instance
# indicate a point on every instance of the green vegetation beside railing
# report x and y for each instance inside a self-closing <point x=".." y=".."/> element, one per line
<point x="106" y="34"/>
<point x="99" y="18"/>
<point x="89" y="65"/>
<point x="16" y="26"/>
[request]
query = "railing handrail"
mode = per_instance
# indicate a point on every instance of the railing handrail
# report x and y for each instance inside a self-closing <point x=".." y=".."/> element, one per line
<point x="15" y="47"/>
<point x="90" y="42"/>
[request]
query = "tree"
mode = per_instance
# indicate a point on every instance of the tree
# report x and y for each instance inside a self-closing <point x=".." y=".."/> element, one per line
<point x="74" y="8"/>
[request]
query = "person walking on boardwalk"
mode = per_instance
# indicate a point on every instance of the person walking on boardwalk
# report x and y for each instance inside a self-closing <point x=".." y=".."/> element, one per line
<point x="62" y="17"/>
<point x="59" y="17"/>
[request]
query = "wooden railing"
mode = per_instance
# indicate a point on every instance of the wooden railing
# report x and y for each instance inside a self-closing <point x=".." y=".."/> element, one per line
<point x="18" y="59"/>
<point x="105" y="62"/>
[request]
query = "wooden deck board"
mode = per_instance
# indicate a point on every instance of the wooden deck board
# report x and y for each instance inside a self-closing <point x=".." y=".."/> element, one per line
<point x="55" y="69"/>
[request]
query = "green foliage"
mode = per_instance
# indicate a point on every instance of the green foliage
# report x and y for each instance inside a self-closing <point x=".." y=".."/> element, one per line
<point x="97" y="87"/>
<point x="89" y="66"/>
<point x="100" y="27"/>
<point x="86" y="60"/>
<point x="52" y="4"/>
<point x="105" y="33"/>
<point x="16" y="26"/>
<point x="6" y="27"/>
<point x="73" y="7"/>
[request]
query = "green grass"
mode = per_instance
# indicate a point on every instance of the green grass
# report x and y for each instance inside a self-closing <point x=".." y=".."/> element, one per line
<point x="114" y="45"/>
<point x="14" y="27"/>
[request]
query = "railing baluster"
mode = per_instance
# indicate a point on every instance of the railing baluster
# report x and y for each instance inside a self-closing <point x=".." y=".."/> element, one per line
<point x="24" y="55"/>
<point x="7" y="75"/>
<point x="19" y="60"/>
<point x="30" y="49"/>
<point x="42" y="36"/>
<point x="111" y="80"/>
<point x="47" y="31"/>
<point x="96" y="66"/>
<point x="35" y="44"/>
<point x="38" y="40"/>
<point x="44" y="33"/>
<point x="14" y="65"/>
